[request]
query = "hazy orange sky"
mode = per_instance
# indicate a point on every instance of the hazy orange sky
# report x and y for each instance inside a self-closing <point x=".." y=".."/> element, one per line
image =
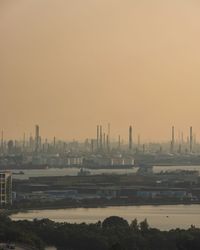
<point x="71" y="64"/>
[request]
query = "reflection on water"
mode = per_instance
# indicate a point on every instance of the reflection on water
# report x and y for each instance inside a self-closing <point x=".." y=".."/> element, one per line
<point x="69" y="171"/>
<point x="74" y="171"/>
<point x="162" y="217"/>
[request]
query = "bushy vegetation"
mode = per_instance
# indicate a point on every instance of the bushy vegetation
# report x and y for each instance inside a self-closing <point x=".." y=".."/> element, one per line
<point x="114" y="233"/>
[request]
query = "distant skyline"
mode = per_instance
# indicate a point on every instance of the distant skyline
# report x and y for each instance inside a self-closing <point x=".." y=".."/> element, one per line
<point x="179" y="136"/>
<point x="70" y="65"/>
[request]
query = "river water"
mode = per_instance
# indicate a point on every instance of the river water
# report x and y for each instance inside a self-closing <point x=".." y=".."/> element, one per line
<point x="163" y="217"/>
<point x="74" y="171"/>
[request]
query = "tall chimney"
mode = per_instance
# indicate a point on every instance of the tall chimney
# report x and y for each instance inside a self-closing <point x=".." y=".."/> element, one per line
<point x="108" y="137"/>
<point x="107" y="143"/>
<point x="138" y="140"/>
<point x="97" y="136"/>
<point x="92" y="145"/>
<point x="101" y="137"/>
<point x="191" y="139"/>
<point x="173" y="140"/>
<point x="130" y="138"/>
<point x="104" y="141"/>
<point x="24" y="142"/>
<point x="119" y="142"/>
<point x="37" y="138"/>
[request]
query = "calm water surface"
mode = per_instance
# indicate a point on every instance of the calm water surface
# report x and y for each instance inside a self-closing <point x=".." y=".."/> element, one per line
<point x="74" y="171"/>
<point x="162" y="217"/>
<point x="68" y="171"/>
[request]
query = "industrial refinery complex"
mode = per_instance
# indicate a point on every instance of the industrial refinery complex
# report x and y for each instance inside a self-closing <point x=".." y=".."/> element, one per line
<point x="30" y="171"/>
<point x="102" y="151"/>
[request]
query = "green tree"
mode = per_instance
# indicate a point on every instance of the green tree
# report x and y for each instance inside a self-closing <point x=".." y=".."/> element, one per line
<point x="115" y="221"/>
<point x="144" y="226"/>
<point x="134" y="225"/>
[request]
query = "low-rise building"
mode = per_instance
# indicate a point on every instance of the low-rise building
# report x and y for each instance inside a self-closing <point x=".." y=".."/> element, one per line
<point x="5" y="188"/>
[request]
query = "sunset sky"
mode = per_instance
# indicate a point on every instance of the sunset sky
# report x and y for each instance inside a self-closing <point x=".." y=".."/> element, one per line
<point x="69" y="65"/>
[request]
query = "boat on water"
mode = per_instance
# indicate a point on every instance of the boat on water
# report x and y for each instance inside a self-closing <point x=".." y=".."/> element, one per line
<point x="83" y="172"/>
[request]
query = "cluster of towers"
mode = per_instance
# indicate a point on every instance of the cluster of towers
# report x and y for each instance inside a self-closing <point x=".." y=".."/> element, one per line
<point x="103" y="139"/>
<point x="190" y="140"/>
<point x="34" y="142"/>
<point x="101" y="143"/>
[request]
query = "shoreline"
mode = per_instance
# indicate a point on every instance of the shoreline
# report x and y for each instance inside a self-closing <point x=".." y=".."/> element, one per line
<point x="45" y="167"/>
<point x="10" y="212"/>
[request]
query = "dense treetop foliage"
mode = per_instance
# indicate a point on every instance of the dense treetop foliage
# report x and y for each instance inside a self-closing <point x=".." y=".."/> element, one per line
<point x="114" y="233"/>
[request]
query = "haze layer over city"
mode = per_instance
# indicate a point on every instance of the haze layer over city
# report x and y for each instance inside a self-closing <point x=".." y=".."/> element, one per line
<point x="100" y="125"/>
<point x="69" y="65"/>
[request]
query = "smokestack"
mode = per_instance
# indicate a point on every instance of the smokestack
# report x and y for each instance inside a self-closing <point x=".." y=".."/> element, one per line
<point x="97" y="136"/>
<point x="107" y="143"/>
<point x="138" y="141"/>
<point x="92" y="145"/>
<point x="119" y="142"/>
<point x="108" y="129"/>
<point x="130" y="138"/>
<point x="191" y="139"/>
<point x="108" y="137"/>
<point x="101" y="138"/>
<point x="37" y="138"/>
<point x="173" y="140"/>
<point x="24" y="142"/>
<point x="104" y="140"/>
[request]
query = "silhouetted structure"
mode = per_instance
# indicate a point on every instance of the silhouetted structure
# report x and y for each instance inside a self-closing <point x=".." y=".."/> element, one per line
<point x="130" y="138"/>
<point x="101" y="138"/>
<point x="173" y="140"/>
<point x="5" y="188"/>
<point x="37" y="138"/>
<point x="97" y="136"/>
<point x="119" y="142"/>
<point x="191" y="139"/>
